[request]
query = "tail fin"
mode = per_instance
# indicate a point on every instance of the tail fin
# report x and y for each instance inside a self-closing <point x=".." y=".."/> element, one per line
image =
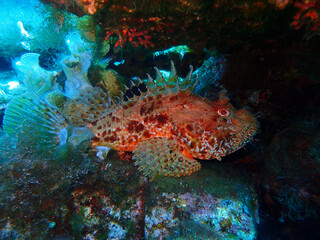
<point x="26" y="116"/>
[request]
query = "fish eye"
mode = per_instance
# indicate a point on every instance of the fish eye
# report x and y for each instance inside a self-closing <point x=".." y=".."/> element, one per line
<point x="223" y="112"/>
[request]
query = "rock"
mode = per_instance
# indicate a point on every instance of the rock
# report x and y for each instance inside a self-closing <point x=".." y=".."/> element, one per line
<point x="83" y="198"/>
<point x="169" y="208"/>
<point x="207" y="205"/>
<point x="198" y="216"/>
<point x="78" y="7"/>
<point x="209" y="75"/>
<point x="292" y="171"/>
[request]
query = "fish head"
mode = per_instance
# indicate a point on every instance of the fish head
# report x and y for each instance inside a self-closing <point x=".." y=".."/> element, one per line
<point x="231" y="128"/>
<point x="211" y="130"/>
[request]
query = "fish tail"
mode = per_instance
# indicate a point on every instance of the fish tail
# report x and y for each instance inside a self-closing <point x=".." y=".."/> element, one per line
<point x="27" y="117"/>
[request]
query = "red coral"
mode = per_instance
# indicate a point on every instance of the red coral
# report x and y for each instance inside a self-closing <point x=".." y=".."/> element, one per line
<point x="308" y="14"/>
<point x="78" y="7"/>
<point x="137" y="38"/>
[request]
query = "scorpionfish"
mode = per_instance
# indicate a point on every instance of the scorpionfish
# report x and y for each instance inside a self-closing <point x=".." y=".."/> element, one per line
<point x="165" y="126"/>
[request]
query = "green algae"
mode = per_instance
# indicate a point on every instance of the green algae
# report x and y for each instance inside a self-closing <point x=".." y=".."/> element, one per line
<point x="77" y="223"/>
<point x="218" y="179"/>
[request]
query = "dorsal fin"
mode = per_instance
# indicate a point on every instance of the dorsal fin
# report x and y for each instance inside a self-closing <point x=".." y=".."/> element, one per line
<point x="161" y="85"/>
<point x="187" y="84"/>
<point x="173" y="80"/>
<point x="160" y="81"/>
<point x="152" y="85"/>
<point x="172" y="84"/>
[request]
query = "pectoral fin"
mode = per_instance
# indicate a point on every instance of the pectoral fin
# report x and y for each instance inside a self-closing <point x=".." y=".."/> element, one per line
<point x="163" y="156"/>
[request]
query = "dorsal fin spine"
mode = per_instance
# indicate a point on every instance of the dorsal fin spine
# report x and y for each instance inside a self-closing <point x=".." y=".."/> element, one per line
<point x="172" y="84"/>
<point x="132" y="84"/>
<point x="161" y="85"/>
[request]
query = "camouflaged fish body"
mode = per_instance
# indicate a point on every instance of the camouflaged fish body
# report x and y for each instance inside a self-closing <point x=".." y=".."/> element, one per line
<point x="166" y="127"/>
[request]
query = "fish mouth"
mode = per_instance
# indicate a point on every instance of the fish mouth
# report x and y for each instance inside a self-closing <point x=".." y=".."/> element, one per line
<point x="248" y="132"/>
<point x="250" y="126"/>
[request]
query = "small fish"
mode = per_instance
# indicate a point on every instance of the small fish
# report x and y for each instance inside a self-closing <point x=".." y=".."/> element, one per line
<point x="119" y="62"/>
<point x="165" y="126"/>
<point x="181" y="50"/>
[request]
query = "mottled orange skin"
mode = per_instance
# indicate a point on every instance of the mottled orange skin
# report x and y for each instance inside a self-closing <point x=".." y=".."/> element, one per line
<point x="194" y="122"/>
